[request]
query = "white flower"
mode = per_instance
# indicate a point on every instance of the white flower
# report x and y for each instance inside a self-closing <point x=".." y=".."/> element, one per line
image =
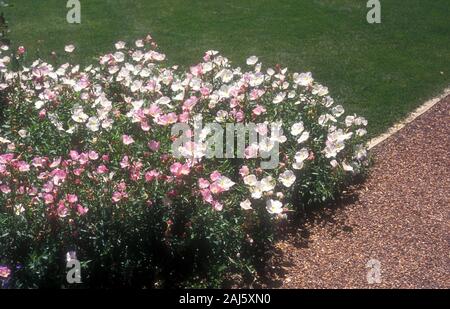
<point x="279" y="98"/>
<point x="226" y="75"/>
<point x="71" y="255"/>
<point x="221" y="116"/>
<point x="256" y="192"/>
<point x="136" y="86"/>
<point x="4" y="140"/>
<point x="19" y="209"/>
<point x="361" y="132"/>
<point x="246" y="205"/>
<point x="349" y="120"/>
<point x="268" y="184"/>
<point x="164" y="101"/>
<point x="256" y="79"/>
<point x="120" y="45"/>
<point x="23" y="133"/>
<point x="300" y="157"/>
<point x="139" y="43"/>
<point x="69" y="48"/>
<point x="250" y="180"/>
<point x="252" y="60"/>
<point x="335" y="142"/>
<point x="323" y="119"/>
<point x="70" y="130"/>
<point x="266" y="145"/>
<point x="93" y="124"/>
<point x="274" y="207"/>
<point x="337" y="111"/>
<point x="303" y="138"/>
<point x="347" y="167"/>
<point x="79" y="116"/>
<point x="360" y="152"/>
<point x="287" y="178"/>
<point x="119" y="56"/>
<point x="333" y="148"/>
<point x="303" y="79"/>
<point x="38" y="104"/>
<point x="225" y="183"/>
<point x="277" y="132"/>
<point x="107" y="123"/>
<point x="361" y="121"/>
<point x="320" y="90"/>
<point x="334" y="163"/>
<point x="297" y="128"/>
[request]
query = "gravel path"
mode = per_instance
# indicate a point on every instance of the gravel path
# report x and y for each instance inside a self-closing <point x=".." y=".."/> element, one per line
<point x="399" y="216"/>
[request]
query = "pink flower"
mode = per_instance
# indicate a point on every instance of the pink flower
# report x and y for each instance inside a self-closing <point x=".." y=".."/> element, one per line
<point x="59" y="176"/>
<point x="74" y="155"/>
<point x="203" y="183"/>
<point x="72" y="198"/>
<point x="154" y="145"/>
<point x="184" y="117"/>
<point x="48" y="199"/>
<point x="38" y="162"/>
<point x="255" y="94"/>
<point x="5" y="272"/>
<point x="189" y="104"/>
<point x="102" y="169"/>
<point x="206" y="195"/>
<point x="244" y="171"/>
<point x="23" y="166"/>
<point x="125" y="163"/>
<point x="21" y="50"/>
<point x="84" y="158"/>
<point x="216" y="188"/>
<point x="55" y="163"/>
<point x="6" y="158"/>
<point x="234" y="102"/>
<point x="168" y="119"/>
<point x="122" y="186"/>
<point x="62" y="210"/>
<point x="32" y="191"/>
<point x="215" y="175"/>
<point x="145" y="126"/>
<point x="116" y="197"/>
<point x="82" y="210"/>
<point x="5" y="189"/>
<point x="177" y="169"/>
<point x="205" y="91"/>
<point x="239" y="116"/>
<point x="93" y="155"/>
<point x="251" y="152"/>
<point x="154" y="110"/>
<point x="42" y="114"/>
<point x="127" y="140"/>
<point x="258" y="110"/>
<point x="78" y="171"/>
<point x="197" y="70"/>
<point x="217" y="206"/>
<point x="151" y="175"/>
<point x="48" y="187"/>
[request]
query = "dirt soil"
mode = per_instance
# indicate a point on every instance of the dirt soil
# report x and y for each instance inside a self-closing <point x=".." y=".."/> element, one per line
<point x="399" y="216"/>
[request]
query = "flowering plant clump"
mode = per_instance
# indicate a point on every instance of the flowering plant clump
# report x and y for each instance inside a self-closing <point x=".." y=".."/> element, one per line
<point x="87" y="165"/>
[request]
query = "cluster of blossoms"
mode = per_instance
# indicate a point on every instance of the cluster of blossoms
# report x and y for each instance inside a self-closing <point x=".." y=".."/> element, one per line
<point x="81" y="139"/>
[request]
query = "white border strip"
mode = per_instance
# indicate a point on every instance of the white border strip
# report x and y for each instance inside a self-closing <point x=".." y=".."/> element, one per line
<point x="410" y="118"/>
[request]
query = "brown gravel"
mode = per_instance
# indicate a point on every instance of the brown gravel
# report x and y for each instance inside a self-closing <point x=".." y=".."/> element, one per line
<point x="399" y="216"/>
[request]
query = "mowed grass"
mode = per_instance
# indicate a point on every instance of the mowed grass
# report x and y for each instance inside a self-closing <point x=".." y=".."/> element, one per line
<point x="381" y="71"/>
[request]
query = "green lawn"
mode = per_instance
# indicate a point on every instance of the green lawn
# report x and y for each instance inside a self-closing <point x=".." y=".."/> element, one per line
<point x="380" y="71"/>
